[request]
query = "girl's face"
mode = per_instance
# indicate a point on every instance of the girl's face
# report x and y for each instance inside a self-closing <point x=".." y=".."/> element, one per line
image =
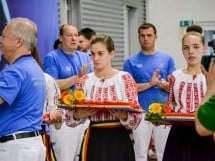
<point x="193" y="49"/>
<point x="101" y="56"/>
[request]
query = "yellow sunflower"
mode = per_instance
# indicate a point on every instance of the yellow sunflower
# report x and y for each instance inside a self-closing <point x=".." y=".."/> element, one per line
<point x="155" y="108"/>
<point x="79" y="95"/>
<point x="68" y="99"/>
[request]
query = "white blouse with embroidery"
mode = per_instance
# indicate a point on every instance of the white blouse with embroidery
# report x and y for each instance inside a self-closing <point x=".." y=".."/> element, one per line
<point x="52" y="94"/>
<point x="186" y="91"/>
<point x="120" y="87"/>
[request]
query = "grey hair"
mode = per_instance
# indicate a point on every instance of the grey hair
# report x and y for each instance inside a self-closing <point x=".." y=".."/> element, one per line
<point x="26" y="30"/>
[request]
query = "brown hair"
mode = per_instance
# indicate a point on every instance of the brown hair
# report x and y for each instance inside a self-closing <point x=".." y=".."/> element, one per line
<point x="36" y="56"/>
<point x="106" y="40"/>
<point x="87" y="32"/>
<point x="147" y="26"/>
<point x="196" y="34"/>
<point x="194" y="28"/>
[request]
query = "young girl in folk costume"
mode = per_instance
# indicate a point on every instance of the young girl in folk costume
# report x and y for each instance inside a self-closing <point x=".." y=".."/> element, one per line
<point x="187" y="88"/>
<point x="107" y="138"/>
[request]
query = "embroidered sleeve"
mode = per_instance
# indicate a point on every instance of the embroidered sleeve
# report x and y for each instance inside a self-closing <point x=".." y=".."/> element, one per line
<point x="131" y="93"/>
<point x="70" y="120"/>
<point x="130" y="88"/>
<point x="52" y="95"/>
<point x="133" y="120"/>
<point x="171" y="92"/>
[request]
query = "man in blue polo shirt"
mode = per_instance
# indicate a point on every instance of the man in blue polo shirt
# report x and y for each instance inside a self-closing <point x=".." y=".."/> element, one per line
<point x="66" y="64"/>
<point x="150" y="69"/>
<point x="22" y="94"/>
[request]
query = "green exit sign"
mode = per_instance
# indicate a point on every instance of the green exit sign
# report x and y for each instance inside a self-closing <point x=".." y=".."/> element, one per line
<point x="185" y="23"/>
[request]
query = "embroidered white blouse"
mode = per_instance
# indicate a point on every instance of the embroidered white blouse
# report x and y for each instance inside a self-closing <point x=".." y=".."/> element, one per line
<point x="120" y="87"/>
<point x="186" y="90"/>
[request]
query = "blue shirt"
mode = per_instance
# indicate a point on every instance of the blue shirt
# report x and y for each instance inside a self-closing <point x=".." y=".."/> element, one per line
<point x="142" y="67"/>
<point x="22" y="87"/>
<point x="60" y="65"/>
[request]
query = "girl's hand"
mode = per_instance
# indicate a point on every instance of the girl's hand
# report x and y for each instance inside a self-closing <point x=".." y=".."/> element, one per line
<point x="52" y="117"/>
<point x="83" y="113"/>
<point x="120" y="114"/>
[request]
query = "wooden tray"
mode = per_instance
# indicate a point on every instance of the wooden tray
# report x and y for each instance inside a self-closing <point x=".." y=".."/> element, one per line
<point x="104" y="106"/>
<point x="179" y="119"/>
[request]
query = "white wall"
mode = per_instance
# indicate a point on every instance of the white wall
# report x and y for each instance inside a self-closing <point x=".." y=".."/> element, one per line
<point x="166" y="15"/>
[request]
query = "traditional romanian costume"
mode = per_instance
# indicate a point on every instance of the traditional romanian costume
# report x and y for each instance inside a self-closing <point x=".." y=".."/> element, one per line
<point x="107" y="138"/>
<point x="183" y="143"/>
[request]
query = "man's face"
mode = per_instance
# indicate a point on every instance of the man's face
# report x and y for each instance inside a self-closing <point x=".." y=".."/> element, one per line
<point x="8" y="43"/>
<point x="84" y="44"/>
<point x="69" y="39"/>
<point x="147" y="39"/>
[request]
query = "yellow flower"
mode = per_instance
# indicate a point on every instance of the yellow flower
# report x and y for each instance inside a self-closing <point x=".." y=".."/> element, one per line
<point x="156" y="111"/>
<point x="79" y="95"/>
<point x="155" y="108"/>
<point x="69" y="97"/>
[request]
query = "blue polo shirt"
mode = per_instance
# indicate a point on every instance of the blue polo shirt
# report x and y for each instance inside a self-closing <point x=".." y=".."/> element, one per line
<point x="60" y="65"/>
<point x="22" y="87"/>
<point x="142" y="67"/>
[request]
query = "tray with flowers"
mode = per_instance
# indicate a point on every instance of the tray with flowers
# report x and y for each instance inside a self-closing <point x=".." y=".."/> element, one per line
<point x="162" y="114"/>
<point x="76" y="99"/>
